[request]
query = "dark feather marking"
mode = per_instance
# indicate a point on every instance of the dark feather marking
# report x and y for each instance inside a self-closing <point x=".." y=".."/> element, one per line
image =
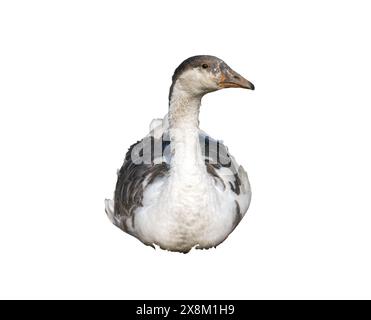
<point x="157" y="171"/>
<point x="133" y="220"/>
<point x="211" y="170"/>
<point x="238" y="216"/>
<point x="216" y="155"/>
<point x="235" y="186"/>
<point x="237" y="183"/>
<point x="207" y="146"/>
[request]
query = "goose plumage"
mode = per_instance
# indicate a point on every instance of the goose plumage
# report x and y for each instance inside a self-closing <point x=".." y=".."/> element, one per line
<point x="178" y="188"/>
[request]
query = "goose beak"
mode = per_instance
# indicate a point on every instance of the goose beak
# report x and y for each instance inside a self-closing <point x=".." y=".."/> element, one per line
<point x="231" y="79"/>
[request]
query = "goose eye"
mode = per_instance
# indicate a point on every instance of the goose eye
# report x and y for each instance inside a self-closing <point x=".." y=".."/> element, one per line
<point x="205" y="66"/>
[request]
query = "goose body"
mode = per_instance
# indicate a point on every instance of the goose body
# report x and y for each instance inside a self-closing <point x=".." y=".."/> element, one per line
<point x="178" y="188"/>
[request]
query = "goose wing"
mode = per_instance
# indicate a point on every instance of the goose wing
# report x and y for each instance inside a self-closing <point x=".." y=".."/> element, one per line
<point x="142" y="165"/>
<point x="223" y="167"/>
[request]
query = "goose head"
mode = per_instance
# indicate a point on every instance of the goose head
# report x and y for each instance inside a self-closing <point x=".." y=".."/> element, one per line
<point x="202" y="74"/>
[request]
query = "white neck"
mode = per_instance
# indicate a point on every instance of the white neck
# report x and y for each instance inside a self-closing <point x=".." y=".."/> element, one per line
<point x="187" y="165"/>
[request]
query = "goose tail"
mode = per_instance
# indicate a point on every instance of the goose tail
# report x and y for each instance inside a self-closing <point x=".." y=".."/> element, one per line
<point x="109" y="206"/>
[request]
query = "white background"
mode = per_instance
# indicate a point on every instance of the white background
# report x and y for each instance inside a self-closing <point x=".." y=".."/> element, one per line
<point x="81" y="80"/>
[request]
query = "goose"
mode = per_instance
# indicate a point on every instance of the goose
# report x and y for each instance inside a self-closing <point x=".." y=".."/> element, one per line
<point x="178" y="188"/>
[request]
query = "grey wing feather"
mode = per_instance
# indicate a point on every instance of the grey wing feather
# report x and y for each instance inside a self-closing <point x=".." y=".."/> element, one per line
<point x="222" y="165"/>
<point x="135" y="174"/>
